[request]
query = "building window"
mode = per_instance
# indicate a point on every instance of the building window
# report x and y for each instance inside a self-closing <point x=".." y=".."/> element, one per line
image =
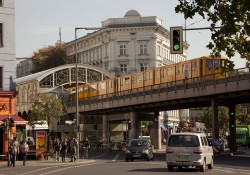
<point x="124" y="68"/>
<point x="159" y="50"/>
<point x="1" y="34"/>
<point x="1" y="78"/>
<point x="143" y="49"/>
<point x="1" y="3"/>
<point x="143" y="66"/>
<point x="123" y="50"/>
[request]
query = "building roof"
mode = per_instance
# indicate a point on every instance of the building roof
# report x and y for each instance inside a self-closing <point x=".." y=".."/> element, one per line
<point x="31" y="77"/>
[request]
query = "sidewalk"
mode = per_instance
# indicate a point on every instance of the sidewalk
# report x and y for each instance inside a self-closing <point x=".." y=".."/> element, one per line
<point x="45" y="162"/>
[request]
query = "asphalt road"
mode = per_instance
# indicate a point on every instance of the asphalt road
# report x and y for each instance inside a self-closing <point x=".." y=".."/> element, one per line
<point x="113" y="163"/>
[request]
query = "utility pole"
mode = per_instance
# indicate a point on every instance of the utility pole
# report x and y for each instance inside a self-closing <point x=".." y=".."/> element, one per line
<point x="8" y="137"/>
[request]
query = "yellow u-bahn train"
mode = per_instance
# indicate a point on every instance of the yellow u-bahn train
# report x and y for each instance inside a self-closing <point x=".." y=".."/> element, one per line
<point x="203" y="66"/>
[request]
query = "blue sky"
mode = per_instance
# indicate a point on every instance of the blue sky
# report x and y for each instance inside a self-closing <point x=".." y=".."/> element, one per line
<point x="38" y="21"/>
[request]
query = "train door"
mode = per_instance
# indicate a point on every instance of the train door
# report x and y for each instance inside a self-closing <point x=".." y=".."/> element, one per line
<point x="157" y="76"/>
<point x="178" y="72"/>
<point x="194" y="69"/>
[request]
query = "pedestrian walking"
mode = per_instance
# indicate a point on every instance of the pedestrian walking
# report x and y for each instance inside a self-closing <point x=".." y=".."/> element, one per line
<point x="14" y="152"/>
<point x="24" y="148"/>
<point x="86" y="147"/>
<point x="64" y="149"/>
<point x="56" y="148"/>
<point x="73" y="147"/>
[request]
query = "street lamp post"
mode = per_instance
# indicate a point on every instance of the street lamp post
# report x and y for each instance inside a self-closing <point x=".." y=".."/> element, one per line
<point x="76" y="74"/>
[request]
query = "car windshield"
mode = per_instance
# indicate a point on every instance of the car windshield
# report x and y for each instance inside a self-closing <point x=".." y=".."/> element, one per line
<point x="138" y="143"/>
<point x="183" y="141"/>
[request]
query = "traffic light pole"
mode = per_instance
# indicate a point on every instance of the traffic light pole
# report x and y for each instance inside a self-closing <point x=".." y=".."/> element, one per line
<point x="8" y="137"/>
<point x="232" y="128"/>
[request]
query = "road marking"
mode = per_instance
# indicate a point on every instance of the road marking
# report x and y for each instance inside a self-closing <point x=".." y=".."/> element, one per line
<point x="38" y="170"/>
<point x="61" y="169"/>
<point x="98" y="156"/>
<point x="116" y="156"/>
<point x="232" y="170"/>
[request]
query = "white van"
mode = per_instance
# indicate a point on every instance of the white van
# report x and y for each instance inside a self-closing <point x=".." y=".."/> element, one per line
<point x="189" y="149"/>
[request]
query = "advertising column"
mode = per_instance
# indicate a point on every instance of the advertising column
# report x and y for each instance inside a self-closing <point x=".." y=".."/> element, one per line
<point x="41" y="142"/>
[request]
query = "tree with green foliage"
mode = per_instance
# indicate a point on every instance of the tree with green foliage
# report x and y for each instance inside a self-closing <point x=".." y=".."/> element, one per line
<point x="222" y="118"/>
<point x="233" y="19"/>
<point x="242" y="114"/>
<point x="46" y="107"/>
<point x="49" y="57"/>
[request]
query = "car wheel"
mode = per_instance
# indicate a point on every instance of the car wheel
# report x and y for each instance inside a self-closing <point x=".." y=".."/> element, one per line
<point x="210" y="166"/>
<point x="132" y="160"/>
<point x="148" y="159"/>
<point x="180" y="168"/>
<point x="170" y="168"/>
<point x="203" y="166"/>
<point x="152" y="158"/>
<point x="127" y="159"/>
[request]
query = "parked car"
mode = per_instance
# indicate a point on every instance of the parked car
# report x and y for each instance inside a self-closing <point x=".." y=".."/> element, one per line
<point x="217" y="144"/>
<point x="189" y="149"/>
<point x="139" y="149"/>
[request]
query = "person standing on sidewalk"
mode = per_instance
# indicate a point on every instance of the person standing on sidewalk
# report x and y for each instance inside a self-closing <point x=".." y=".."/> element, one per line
<point x="15" y="151"/>
<point x="56" y="148"/>
<point x="24" y="148"/>
<point x="64" y="149"/>
<point x="73" y="145"/>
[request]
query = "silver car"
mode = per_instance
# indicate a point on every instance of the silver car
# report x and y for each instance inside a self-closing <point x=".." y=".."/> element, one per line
<point x="189" y="150"/>
<point x="139" y="149"/>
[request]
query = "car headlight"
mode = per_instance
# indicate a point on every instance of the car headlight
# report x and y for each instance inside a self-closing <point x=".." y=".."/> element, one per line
<point x="127" y="151"/>
<point x="145" y="151"/>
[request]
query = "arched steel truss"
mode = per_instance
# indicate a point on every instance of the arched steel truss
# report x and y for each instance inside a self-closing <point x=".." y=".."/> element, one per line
<point x="66" y="74"/>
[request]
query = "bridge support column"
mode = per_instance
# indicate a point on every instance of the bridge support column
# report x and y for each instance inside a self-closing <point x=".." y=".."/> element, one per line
<point x="156" y="135"/>
<point x="215" y="120"/>
<point x="105" y="134"/>
<point x="232" y="128"/>
<point x="134" y="132"/>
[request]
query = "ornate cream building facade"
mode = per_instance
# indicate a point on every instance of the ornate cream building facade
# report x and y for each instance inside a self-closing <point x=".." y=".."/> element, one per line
<point x="127" y="45"/>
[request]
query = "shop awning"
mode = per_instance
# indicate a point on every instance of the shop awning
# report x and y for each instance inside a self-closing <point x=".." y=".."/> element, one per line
<point x="18" y="120"/>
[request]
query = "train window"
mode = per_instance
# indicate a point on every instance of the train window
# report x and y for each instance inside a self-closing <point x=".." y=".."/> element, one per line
<point x="184" y="68"/>
<point x="150" y="75"/>
<point x="139" y="78"/>
<point x="170" y="72"/>
<point x="216" y="64"/>
<point x="102" y="86"/>
<point x="163" y="72"/>
<point x="133" y="79"/>
<point x="121" y="81"/>
<point x="177" y="69"/>
<point x="209" y="64"/>
<point x="194" y="66"/>
<point x="127" y="80"/>
<point x="156" y="74"/>
<point x="145" y="77"/>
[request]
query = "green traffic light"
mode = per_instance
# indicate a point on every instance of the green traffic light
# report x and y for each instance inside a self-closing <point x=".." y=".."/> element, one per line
<point x="232" y="126"/>
<point x="177" y="47"/>
<point x="231" y="113"/>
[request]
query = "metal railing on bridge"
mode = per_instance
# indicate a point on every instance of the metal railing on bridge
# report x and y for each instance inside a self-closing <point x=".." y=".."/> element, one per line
<point x="197" y="82"/>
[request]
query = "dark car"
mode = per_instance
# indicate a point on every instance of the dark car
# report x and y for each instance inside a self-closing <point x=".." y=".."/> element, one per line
<point x="139" y="149"/>
<point x="218" y="144"/>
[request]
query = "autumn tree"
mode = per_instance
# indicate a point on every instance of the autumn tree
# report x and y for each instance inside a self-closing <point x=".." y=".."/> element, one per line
<point x="46" y="107"/>
<point x="229" y="21"/>
<point x="49" y="57"/>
